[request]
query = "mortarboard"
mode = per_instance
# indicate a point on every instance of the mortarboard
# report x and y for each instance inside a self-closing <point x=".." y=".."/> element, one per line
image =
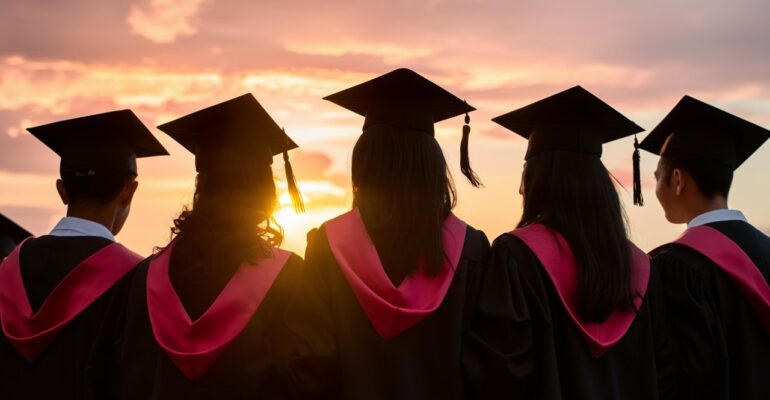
<point x="107" y="141"/>
<point x="239" y="130"/>
<point x="698" y="129"/>
<point x="573" y="120"/>
<point x="11" y="234"/>
<point x="405" y="100"/>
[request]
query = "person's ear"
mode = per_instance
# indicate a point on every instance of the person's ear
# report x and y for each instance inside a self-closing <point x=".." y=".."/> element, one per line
<point x="62" y="192"/>
<point x="127" y="194"/>
<point x="679" y="181"/>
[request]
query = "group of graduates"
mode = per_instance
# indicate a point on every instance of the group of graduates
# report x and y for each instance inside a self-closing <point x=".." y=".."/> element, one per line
<point x="397" y="298"/>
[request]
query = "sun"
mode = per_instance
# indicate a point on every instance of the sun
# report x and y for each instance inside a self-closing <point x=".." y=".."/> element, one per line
<point x="285" y="215"/>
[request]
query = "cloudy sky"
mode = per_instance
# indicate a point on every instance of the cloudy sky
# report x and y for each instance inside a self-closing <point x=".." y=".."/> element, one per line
<point x="165" y="58"/>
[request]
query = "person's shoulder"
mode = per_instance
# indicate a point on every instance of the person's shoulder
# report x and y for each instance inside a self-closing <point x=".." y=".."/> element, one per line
<point x="294" y="259"/>
<point x="138" y="273"/>
<point x="145" y="263"/>
<point x="509" y="243"/>
<point x="58" y="243"/>
<point x="317" y="249"/>
<point x="738" y="228"/>
<point x="316" y="236"/>
<point x="476" y="246"/>
<point x="313" y="233"/>
<point x="678" y="263"/>
<point x="510" y="251"/>
<point x="674" y="253"/>
<point x="476" y="236"/>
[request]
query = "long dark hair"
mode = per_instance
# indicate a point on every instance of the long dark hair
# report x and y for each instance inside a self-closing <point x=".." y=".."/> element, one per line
<point x="404" y="191"/>
<point x="574" y="194"/>
<point x="231" y="218"/>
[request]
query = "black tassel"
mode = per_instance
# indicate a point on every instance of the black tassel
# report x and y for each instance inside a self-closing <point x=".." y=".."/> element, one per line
<point x="291" y="182"/>
<point x="465" y="162"/>
<point x="638" y="199"/>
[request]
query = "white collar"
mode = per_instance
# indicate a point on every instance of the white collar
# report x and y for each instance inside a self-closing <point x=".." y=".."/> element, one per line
<point x="717" y="216"/>
<point x="73" y="226"/>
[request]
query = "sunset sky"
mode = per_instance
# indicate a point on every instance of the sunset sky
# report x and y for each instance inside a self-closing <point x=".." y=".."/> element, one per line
<point x="166" y="58"/>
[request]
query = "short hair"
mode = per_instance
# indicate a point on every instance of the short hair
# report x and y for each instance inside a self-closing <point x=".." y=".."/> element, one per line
<point x="99" y="188"/>
<point x="711" y="177"/>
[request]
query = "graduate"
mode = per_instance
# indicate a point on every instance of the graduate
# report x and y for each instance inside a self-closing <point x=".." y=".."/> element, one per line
<point x="56" y="290"/>
<point x="391" y="285"/>
<point x="204" y="314"/>
<point x="583" y="312"/>
<point x="11" y="234"/>
<point x="716" y="274"/>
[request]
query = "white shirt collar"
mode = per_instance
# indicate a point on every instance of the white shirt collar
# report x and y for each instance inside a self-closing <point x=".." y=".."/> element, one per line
<point x="717" y="216"/>
<point x="73" y="226"/>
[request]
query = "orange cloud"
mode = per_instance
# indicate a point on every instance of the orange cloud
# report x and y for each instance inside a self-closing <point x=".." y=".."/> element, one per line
<point x="54" y="85"/>
<point x="391" y="53"/>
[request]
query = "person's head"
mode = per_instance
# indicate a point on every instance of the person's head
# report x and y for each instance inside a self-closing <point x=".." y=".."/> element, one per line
<point x="234" y="143"/>
<point x="566" y="187"/>
<point x="105" y="193"/>
<point x="404" y="191"/>
<point x="98" y="166"/>
<point x="687" y="184"/>
<point x="700" y="147"/>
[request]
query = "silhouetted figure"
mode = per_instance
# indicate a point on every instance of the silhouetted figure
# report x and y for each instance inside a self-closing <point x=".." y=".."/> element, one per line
<point x="204" y="315"/>
<point x="582" y="314"/>
<point x="390" y="287"/>
<point x="716" y="274"/>
<point x="55" y="290"/>
<point x="11" y="234"/>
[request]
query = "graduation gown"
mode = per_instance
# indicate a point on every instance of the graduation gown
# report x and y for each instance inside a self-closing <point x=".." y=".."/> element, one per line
<point x="73" y="364"/>
<point x="723" y="347"/>
<point x="243" y="324"/>
<point x="526" y="344"/>
<point x="365" y="338"/>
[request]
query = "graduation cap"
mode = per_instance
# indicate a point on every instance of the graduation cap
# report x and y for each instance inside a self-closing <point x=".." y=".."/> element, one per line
<point x="11" y="234"/>
<point x="698" y="129"/>
<point x="405" y="100"/>
<point x="235" y="132"/>
<point x="573" y="120"/>
<point x="107" y="141"/>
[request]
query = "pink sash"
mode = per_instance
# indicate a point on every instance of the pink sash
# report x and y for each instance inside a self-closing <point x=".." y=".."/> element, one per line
<point x="195" y="346"/>
<point x="553" y="251"/>
<point x="391" y="309"/>
<point x="731" y="259"/>
<point x="31" y="333"/>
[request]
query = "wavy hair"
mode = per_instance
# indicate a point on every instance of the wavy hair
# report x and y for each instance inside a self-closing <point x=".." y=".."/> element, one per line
<point x="231" y="217"/>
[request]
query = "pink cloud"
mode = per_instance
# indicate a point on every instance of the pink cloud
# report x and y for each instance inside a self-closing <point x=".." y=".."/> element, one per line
<point x="162" y="21"/>
<point x="625" y="177"/>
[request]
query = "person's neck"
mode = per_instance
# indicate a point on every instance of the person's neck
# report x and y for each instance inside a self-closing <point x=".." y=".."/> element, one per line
<point x="100" y="215"/>
<point x="705" y="205"/>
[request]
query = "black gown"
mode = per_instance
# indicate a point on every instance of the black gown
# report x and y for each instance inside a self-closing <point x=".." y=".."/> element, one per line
<point x="345" y="358"/>
<point x="73" y="366"/>
<point x="724" y="351"/>
<point x="528" y="347"/>
<point x="245" y="370"/>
